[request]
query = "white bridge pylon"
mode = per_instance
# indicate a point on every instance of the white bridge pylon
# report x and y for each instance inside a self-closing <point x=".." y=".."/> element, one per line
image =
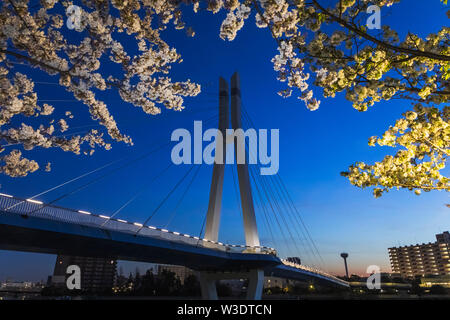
<point x="216" y="191"/>
<point x="255" y="276"/>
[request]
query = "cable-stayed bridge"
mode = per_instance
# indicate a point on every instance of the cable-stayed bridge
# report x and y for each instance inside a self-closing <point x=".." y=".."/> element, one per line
<point x="57" y="230"/>
<point x="31" y="225"/>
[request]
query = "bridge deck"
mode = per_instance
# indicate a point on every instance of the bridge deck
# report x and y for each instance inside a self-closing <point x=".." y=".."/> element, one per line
<point x="29" y="225"/>
<point x="36" y="234"/>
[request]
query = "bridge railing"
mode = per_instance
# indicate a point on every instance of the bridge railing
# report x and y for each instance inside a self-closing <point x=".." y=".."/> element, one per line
<point x="313" y="270"/>
<point x="34" y="208"/>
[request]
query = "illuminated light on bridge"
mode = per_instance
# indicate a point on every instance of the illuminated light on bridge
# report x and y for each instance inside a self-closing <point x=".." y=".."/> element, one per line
<point x="49" y="213"/>
<point x="312" y="270"/>
<point x="34" y="201"/>
<point x="6" y="195"/>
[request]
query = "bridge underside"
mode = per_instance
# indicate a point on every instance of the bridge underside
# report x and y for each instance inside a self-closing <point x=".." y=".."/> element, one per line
<point x="39" y="235"/>
<point x="35" y="234"/>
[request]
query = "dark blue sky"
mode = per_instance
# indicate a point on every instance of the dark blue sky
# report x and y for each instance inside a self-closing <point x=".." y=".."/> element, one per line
<point x="314" y="148"/>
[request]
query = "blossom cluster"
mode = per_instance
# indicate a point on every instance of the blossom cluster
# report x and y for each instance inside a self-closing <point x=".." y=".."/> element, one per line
<point x="35" y="37"/>
<point x="423" y="136"/>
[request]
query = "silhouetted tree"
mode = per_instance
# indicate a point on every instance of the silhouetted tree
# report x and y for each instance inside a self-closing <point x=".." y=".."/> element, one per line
<point x="168" y="284"/>
<point x="191" y="286"/>
<point x="148" y="284"/>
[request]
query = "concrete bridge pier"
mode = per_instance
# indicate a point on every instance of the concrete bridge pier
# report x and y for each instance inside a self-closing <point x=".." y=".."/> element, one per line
<point x="208" y="286"/>
<point x="255" y="283"/>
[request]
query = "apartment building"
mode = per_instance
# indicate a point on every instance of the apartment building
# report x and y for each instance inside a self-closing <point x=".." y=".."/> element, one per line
<point x="422" y="259"/>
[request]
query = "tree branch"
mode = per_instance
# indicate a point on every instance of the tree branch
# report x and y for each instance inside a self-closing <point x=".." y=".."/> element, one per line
<point x="417" y="53"/>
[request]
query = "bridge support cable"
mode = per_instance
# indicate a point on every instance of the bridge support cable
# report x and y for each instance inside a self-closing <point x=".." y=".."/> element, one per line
<point x="298" y="229"/>
<point x="265" y="210"/>
<point x="174" y="211"/>
<point x="271" y="196"/>
<point x="263" y="206"/>
<point x="165" y="199"/>
<point x="309" y="249"/>
<point x="236" y="192"/>
<point x="267" y="225"/>
<point x="176" y="186"/>
<point x="200" y="234"/>
<point x="101" y="177"/>
<point x="139" y="192"/>
<point x="271" y="199"/>
<point x="284" y="212"/>
<point x="259" y="187"/>
<point x="299" y="216"/>
<point x="143" y="156"/>
<point x="153" y="179"/>
<point x="288" y="225"/>
<point x="265" y="221"/>
<point x="303" y="226"/>
<point x="69" y="181"/>
<point x="293" y="217"/>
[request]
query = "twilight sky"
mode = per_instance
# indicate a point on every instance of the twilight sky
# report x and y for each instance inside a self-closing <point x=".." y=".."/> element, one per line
<point x="314" y="148"/>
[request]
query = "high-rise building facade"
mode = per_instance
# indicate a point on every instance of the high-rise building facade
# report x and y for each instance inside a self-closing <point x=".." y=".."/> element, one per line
<point x="97" y="274"/>
<point x="422" y="259"/>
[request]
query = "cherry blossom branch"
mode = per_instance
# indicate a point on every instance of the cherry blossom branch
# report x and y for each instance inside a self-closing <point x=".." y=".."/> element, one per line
<point x="42" y="64"/>
<point x="417" y="53"/>
<point x="424" y="187"/>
